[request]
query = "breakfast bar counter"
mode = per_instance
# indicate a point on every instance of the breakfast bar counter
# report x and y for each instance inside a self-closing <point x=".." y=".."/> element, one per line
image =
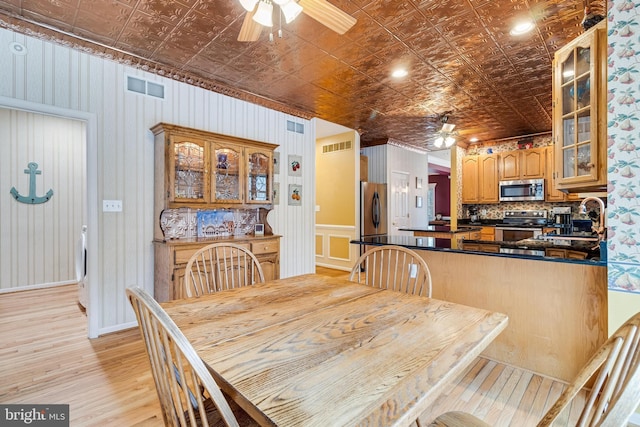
<point x="557" y="307"/>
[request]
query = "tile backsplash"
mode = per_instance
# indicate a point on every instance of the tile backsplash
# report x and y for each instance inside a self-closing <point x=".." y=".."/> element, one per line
<point x="496" y="211"/>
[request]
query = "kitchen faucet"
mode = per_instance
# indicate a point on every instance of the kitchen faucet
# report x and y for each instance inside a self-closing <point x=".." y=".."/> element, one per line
<point x="601" y="228"/>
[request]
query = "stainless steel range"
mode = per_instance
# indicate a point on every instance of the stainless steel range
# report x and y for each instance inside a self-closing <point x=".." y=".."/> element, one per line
<point x="521" y="224"/>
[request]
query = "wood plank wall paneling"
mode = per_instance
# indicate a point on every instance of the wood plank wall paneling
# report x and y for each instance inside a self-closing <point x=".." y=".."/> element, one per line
<point x="57" y="76"/>
<point x="38" y="244"/>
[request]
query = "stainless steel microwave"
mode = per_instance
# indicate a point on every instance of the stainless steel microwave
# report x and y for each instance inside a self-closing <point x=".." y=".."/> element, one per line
<point x="521" y="190"/>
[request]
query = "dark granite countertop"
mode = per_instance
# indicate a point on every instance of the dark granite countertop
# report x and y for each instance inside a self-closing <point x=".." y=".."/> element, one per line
<point x="432" y="244"/>
<point x="443" y="229"/>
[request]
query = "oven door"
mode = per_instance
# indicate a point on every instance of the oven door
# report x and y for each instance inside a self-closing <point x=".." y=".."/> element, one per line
<point x="513" y="234"/>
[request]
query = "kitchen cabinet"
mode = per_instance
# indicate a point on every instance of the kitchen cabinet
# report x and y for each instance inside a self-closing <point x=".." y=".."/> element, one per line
<point x="203" y="170"/>
<point x="171" y="259"/>
<point x="580" y="113"/>
<point x="481" y="247"/>
<point x="565" y="253"/>
<point x="480" y="179"/>
<point x="522" y="164"/>
<point x="552" y="194"/>
<point x="488" y="233"/>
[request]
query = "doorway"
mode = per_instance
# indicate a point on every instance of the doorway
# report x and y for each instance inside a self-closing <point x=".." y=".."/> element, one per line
<point x="90" y="198"/>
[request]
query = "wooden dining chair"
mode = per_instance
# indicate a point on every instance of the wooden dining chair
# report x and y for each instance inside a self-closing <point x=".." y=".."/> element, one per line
<point x="613" y="396"/>
<point x="393" y="267"/>
<point x="189" y="396"/>
<point x="221" y="266"/>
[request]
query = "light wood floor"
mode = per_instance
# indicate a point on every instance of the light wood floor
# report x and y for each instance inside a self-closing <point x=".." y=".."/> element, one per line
<point x="47" y="358"/>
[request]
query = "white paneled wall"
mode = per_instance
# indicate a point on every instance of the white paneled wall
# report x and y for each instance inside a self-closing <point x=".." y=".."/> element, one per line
<point x="38" y="241"/>
<point x="386" y="158"/>
<point x="416" y="164"/>
<point x="56" y="76"/>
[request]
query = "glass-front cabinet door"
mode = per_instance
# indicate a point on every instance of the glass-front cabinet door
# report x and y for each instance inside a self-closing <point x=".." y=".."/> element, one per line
<point x="258" y="176"/>
<point x="578" y="110"/>
<point x="189" y="181"/>
<point x="227" y="168"/>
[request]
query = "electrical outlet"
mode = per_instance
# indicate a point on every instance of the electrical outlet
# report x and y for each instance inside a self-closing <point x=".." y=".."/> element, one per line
<point x="112" y="206"/>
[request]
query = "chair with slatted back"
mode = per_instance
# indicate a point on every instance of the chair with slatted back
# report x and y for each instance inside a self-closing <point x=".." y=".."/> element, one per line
<point x="188" y="394"/>
<point x="613" y="371"/>
<point x="393" y="267"/>
<point x="221" y="266"/>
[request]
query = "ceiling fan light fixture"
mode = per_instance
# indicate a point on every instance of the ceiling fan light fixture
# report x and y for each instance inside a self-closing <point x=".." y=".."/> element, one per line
<point x="448" y="127"/>
<point x="449" y="141"/>
<point x="290" y="10"/>
<point x="438" y="142"/>
<point x="264" y="14"/>
<point x="248" y="5"/>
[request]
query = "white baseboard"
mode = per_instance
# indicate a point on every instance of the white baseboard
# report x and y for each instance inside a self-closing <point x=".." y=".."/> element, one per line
<point x="38" y="286"/>
<point x="335" y="267"/>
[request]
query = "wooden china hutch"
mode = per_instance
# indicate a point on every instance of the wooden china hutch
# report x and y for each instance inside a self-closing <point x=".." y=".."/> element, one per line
<point x="209" y="188"/>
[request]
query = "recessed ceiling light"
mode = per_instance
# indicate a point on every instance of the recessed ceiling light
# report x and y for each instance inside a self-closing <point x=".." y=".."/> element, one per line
<point x="18" y="48"/>
<point x="474" y="139"/>
<point x="522" y="28"/>
<point x="400" y="72"/>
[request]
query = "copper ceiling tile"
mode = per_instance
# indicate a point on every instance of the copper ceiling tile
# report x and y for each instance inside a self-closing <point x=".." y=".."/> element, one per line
<point x="459" y="53"/>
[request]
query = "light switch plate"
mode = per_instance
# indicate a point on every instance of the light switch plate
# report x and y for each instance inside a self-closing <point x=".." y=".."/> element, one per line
<point x="112" y="206"/>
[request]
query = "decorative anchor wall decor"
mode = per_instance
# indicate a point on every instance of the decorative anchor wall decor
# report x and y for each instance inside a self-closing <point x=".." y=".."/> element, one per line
<point x="32" y="199"/>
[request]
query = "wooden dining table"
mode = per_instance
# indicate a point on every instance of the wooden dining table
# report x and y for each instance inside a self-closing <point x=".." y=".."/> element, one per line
<point x="314" y="350"/>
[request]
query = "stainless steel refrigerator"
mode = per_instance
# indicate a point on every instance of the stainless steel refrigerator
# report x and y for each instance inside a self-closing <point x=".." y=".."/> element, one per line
<point x="373" y="209"/>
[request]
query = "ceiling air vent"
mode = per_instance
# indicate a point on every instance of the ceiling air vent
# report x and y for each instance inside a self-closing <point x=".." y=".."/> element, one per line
<point x="338" y="146"/>
<point x="295" y="127"/>
<point x="145" y="87"/>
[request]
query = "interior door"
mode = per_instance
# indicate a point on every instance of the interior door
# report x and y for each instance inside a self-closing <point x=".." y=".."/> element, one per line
<point x="399" y="202"/>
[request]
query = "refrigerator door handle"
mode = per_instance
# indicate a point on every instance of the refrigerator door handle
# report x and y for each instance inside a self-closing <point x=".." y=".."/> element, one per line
<point x="375" y="210"/>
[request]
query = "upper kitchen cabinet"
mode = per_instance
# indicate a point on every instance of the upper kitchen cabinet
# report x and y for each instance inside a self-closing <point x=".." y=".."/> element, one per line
<point x="579" y="112"/>
<point x="204" y="170"/>
<point x="551" y="193"/>
<point x="522" y="164"/>
<point x="480" y="179"/>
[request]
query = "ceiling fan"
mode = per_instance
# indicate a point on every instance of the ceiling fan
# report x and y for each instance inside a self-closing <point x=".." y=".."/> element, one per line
<point x="259" y="14"/>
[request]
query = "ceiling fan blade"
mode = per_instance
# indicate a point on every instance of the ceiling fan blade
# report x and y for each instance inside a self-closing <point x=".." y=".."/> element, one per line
<point x="250" y="30"/>
<point x="328" y="15"/>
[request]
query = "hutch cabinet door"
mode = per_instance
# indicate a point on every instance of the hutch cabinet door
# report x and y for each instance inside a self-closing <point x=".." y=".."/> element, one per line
<point x="188" y="176"/>
<point x="258" y="176"/>
<point x="227" y="180"/>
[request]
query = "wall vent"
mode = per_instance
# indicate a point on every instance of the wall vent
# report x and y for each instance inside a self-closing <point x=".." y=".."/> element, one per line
<point x="338" y="146"/>
<point x="145" y="87"/>
<point x="295" y="127"/>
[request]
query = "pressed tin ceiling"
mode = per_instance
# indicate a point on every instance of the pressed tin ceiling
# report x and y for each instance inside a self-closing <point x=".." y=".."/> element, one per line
<point x="459" y="54"/>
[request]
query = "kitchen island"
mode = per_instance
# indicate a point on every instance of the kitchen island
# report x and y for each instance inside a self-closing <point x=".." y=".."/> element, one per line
<point x="557" y="307"/>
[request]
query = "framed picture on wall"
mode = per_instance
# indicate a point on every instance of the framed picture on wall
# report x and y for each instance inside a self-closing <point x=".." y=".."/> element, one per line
<point x="295" y="166"/>
<point x="295" y="195"/>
